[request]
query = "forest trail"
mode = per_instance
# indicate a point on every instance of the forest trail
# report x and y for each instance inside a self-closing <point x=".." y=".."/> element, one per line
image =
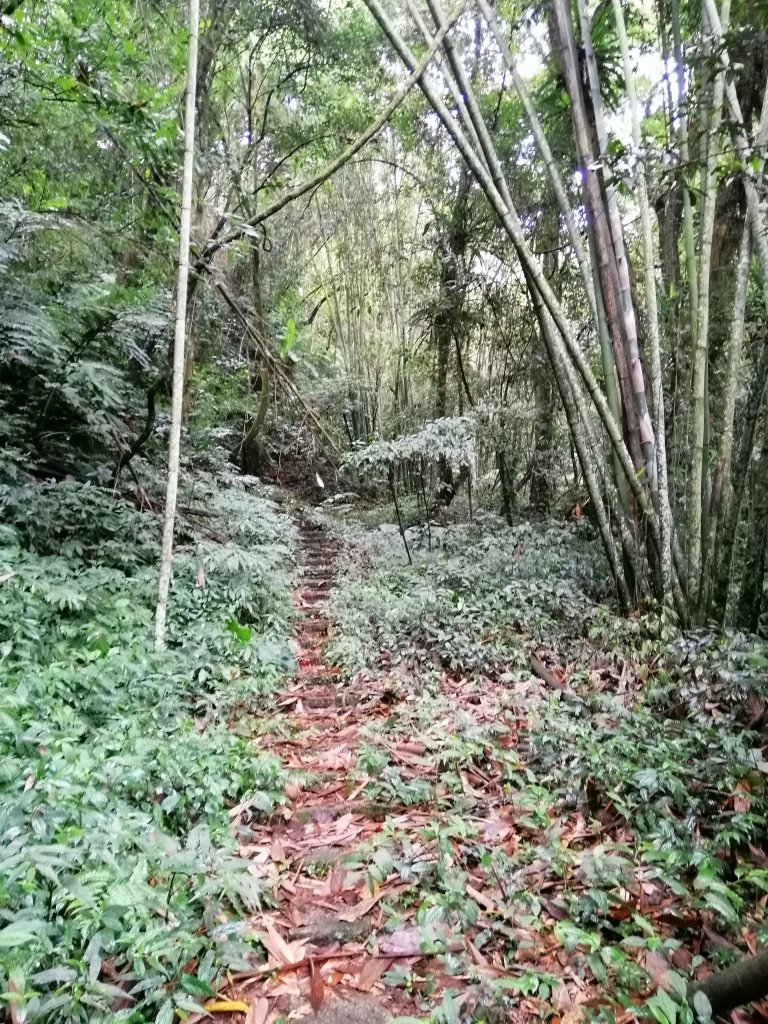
<point x="328" y="851"/>
<point x="458" y="842"/>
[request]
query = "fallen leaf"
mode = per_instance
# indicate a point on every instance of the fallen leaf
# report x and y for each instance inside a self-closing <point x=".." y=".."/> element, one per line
<point x="336" y="879"/>
<point x="364" y="907"/>
<point x="408" y="940"/>
<point x="258" y="1012"/>
<point x="277" y="853"/>
<point x="741" y="799"/>
<point x="476" y="955"/>
<point x="316" y="988"/>
<point x="657" y="967"/>
<point x="284" y="952"/>
<point x="480" y="898"/>
<point x="561" y="998"/>
<point x="373" y="970"/>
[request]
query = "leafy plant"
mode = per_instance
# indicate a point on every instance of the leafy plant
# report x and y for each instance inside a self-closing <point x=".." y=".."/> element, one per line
<point x="118" y="765"/>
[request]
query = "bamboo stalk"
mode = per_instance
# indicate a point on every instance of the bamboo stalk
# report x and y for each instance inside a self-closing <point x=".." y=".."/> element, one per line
<point x="698" y="481"/>
<point x="626" y="306"/>
<point x="174" y="443"/>
<point x="507" y="215"/>
<point x="665" y="511"/>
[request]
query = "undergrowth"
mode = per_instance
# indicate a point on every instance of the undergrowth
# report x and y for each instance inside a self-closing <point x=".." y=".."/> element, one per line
<point x="119" y="887"/>
<point x="473" y="601"/>
<point x="637" y="791"/>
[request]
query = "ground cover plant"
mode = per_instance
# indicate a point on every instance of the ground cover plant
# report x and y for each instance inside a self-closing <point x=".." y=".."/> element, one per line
<point x="119" y="873"/>
<point x="595" y="836"/>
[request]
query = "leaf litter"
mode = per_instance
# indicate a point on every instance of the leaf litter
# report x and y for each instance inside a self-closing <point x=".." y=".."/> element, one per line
<point x="431" y="854"/>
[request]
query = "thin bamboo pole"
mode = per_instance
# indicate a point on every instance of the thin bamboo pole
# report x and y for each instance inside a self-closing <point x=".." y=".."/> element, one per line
<point x="174" y="443"/>
<point x="665" y="511"/>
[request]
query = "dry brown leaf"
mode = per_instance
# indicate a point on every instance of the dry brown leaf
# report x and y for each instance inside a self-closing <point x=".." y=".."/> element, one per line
<point x="363" y="907"/>
<point x="571" y="1016"/>
<point x="480" y="898"/>
<point x="336" y="879"/>
<point x="476" y="955"/>
<point x="410" y="748"/>
<point x="285" y="985"/>
<point x="372" y="971"/>
<point x="407" y="940"/>
<point x="258" y="1012"/>
<point x="276" y="852"/>
<point x="561" y="998"/>
<point x="742" y="800"/>
<point x="657" y="967"/>
<point x="286" y="953"/>
<point x="316" y="988"/>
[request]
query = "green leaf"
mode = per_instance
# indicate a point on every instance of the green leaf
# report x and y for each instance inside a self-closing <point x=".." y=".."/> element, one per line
<point x="19" y="933"/>
<point x="196" y="986"/>
<point x="243" y="633"/>
<point x="166" y="1013"/>
<point x="663" y="1008"/>
<point x="702" y="1006"/>
<point x="722" y="905"/>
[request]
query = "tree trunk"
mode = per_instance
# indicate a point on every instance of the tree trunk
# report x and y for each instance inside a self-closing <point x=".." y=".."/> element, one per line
<point x="664" y="508"/>
<point x="699" y="480"/>
<point x="723" y="468"/>
<point x="750" y="600"/>
<point x="750" y="415"/>
<point x="166" y="555"/>
<point x="446" y="326"/>
<point x="544" y="422"/>
<point x="744" y="982"/>
<point x="599" y="223"/>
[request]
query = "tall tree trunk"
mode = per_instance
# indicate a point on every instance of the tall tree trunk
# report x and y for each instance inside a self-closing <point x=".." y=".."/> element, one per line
<point x="544" y="421"/>
<point x="174" y="444"/>
<point x="728" y="499"/>
<point x="681" y="126"/>
<point x="723" y="467"/>
<point x="623" y="276"/>
<point x="543" y="392"/>
<point x="599" y="224"/>
<point x="451" y="250"/>
<point x="749" y="417"/>
<point x="665" y="511"/>
<point x="753" y="577"/>
<point x="259" y="375"/>
<point x="699" y="485"/>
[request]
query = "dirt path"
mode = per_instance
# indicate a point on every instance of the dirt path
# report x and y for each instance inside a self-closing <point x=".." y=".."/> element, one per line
<point x="316" y="939"/>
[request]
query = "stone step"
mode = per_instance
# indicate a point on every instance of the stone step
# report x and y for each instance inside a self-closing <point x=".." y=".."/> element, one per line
<point x="318" y="671"/>
<point x="313" y="596"/>
<point x="316" y="625"/>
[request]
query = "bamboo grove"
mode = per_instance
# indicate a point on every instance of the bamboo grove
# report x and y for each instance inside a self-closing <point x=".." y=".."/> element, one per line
<point x="556" y="222"/>
<point x="661" y="528"/>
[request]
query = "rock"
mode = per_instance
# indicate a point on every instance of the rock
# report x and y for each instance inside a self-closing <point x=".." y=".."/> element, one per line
<point x="356" y="1010"/>
<point x="323" y="929"/>
<point x="342" y="498"/>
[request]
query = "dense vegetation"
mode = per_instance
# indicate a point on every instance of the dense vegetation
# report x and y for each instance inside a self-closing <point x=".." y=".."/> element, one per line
<point x="490" y="281"/>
